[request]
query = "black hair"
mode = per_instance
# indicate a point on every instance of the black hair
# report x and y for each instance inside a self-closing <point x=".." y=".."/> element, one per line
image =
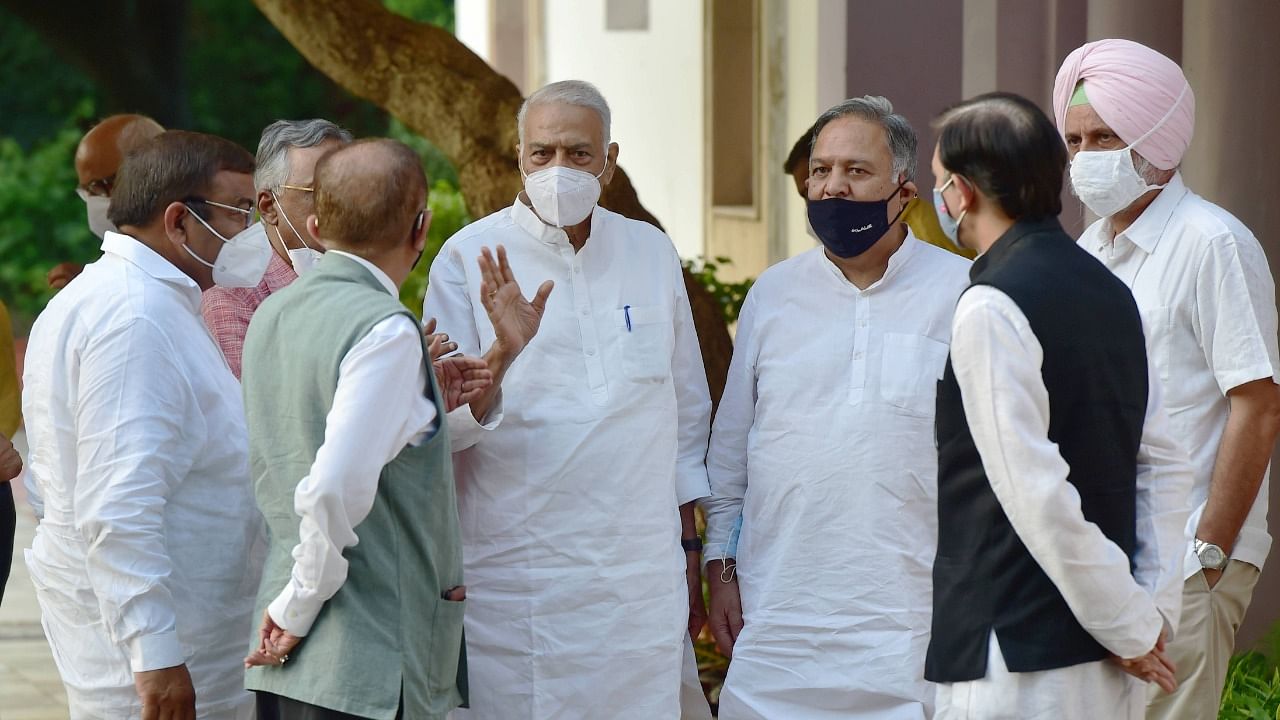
<point x="1005" y="145"/>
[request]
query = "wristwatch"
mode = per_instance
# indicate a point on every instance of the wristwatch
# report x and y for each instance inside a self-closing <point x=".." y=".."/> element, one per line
<point x="691" y="544"/>
<point x="1211" y="556"/>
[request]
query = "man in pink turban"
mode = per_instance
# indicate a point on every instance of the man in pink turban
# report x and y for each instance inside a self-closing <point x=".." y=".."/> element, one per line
<point x="1202" y="283"/>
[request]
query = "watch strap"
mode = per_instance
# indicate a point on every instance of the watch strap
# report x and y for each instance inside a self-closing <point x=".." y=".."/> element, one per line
<point x="691" y="544"/>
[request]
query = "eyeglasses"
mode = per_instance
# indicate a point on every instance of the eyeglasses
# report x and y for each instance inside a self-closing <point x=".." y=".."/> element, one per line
<point x="300" y="188"/>
<point x="100" y="186"/>
<point x="250" y="213"/>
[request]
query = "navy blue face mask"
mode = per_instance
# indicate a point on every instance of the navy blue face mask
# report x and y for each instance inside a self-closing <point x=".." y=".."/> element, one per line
<point x="849" y="228"/>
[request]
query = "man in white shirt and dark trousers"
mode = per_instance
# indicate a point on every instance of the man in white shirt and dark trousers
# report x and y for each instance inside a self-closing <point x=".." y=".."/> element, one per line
<point x="362" y="594"/>
<point x="1205" y="290"/>
<point x="1061" y="496"/>
<point x="824" y="437"/>
<point x="572" y="508"/>
<point x="144" y="562"/>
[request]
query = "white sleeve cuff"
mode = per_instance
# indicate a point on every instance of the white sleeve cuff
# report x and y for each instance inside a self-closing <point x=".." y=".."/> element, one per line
<point x="692" y="485"/>
<point x="465" y="431"/>
<point x="155" y="652"/>
<point x="293" y="613"/>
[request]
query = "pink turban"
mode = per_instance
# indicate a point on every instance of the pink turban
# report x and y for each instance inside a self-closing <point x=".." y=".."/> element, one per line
<point x="1131" y="87"/>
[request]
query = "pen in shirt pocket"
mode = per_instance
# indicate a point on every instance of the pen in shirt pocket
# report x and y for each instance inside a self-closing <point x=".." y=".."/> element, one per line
<point x="626" y="314"/>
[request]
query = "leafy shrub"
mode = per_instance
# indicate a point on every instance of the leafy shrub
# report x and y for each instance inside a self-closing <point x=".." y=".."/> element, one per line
<point x="42" y="220"/>
<point x="1252" y="691"/>
<point x="730" y="295"/>
<point x="448" y="216"/>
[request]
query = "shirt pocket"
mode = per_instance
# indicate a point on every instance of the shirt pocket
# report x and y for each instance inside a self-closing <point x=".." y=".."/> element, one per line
<point x="910" y="368"/>
<point x="647" y="336"/>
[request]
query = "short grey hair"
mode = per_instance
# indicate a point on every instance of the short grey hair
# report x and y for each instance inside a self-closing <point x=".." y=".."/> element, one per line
<point x="569" y="92"/>
<point x="273" y="149"/>
<point x="897" y="131"/>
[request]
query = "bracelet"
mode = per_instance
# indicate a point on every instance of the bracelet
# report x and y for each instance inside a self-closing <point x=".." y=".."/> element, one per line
<point x="691" y="544"/>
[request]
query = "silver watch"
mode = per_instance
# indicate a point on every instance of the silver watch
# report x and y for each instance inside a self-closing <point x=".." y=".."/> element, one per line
<point x="1211" y="556"/>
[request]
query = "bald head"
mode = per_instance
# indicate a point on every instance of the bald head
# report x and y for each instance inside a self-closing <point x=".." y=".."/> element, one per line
<point x="104" y="147"/>
<point x="369" y="195"/>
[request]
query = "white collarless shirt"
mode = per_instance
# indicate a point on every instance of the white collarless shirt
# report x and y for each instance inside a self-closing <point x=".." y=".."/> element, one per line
<point x="568" y="509"/>
<point x="149" y="552"/>
<point x="824" y="441"/>
<point x="1205" y="290"/>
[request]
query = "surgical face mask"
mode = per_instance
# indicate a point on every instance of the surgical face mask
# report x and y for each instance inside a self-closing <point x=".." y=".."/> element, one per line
<point x="242" y="260"/>
<point x="849" y="228"/>
<point x="303" y="258"/>
<point x="950" y="225"/>
<point x="96" y="208"/>
<point x="563" y="196"/>
<point x="1106" y="180"/>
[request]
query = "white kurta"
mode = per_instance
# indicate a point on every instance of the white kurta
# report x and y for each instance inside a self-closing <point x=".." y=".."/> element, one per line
<point x="824" y="443"/>
<point x="1123" y="605"/>
<point x="150" y="549"/>
<point x="576" y="597"/>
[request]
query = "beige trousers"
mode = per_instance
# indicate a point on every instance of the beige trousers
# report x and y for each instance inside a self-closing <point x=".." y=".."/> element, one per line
<point x="1206" y="638"/>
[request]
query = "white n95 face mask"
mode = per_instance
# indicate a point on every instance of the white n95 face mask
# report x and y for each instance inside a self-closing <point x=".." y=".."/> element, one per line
<point x="563" y="196"/>
<point x="96" y="209"/>
<point x="1106" y="181"/>
<point x="242" y="260"/>
<point x="303" y="258"/>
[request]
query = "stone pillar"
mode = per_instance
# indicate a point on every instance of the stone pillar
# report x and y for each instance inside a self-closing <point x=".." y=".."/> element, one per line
<point x="1154" y="23"/>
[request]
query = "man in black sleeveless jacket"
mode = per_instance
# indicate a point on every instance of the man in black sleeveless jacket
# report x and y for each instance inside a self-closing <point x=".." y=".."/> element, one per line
<point x="1061" y="496"/>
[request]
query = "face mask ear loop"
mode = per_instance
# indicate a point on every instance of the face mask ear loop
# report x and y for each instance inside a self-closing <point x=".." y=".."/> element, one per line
<point x="289" y="222"/>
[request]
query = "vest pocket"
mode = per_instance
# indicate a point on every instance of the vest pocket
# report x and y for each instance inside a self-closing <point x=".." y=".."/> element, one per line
<point x="647" y="338"/>
<point x="446" y="645"/>
<point x="910" y="368"/>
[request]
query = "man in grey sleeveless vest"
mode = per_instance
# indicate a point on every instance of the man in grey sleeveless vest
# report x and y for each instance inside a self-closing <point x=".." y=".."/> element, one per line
<point x="362" y="593"/>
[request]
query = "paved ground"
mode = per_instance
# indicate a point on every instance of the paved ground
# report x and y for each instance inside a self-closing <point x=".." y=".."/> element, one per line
<point x="29" y="685"/>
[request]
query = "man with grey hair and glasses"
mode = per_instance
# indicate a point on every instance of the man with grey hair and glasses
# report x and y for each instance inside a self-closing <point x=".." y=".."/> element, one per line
<point x="824" y="440"/>
<point x="287" y="156"/>
<point x="574" y="508"/>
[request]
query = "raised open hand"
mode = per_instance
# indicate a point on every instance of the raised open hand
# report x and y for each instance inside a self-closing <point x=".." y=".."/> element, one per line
<point x="515" y="319"/>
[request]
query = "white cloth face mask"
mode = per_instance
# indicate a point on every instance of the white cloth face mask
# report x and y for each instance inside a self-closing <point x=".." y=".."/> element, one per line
<point x="563" y="196"/>
<point x="303" y="258"/>
<point x="96" y="208"/>
<point x="243" y="259"/>
<point x="1106" y="181"/>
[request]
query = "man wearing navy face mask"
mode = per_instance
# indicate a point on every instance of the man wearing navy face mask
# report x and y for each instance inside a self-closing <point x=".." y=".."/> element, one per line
<point x="824" y="439"/>
<point x="144" y="562"/>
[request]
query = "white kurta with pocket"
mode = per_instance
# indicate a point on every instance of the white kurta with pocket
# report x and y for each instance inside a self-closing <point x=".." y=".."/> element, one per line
<point x="824" y="443"/>
<point x="576" y="597"/>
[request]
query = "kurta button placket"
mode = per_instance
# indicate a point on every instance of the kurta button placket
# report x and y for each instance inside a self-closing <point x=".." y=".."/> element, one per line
<point x="580" y="290"/>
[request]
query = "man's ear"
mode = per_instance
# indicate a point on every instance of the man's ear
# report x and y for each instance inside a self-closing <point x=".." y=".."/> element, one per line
<point x="908" y="191"/>
<point x="611" y="159"/>
<point x="174" y="228"/>
<point x="420" y="237"/>
<point x="313" y="229"/>
<point x="267" y="207"/>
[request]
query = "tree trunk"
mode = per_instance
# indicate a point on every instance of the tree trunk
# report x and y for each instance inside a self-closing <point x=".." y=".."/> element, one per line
<point x="435" y="85"/>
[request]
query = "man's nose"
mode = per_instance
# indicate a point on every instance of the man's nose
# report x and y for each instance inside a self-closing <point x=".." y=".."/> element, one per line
<point x="837" y="186"/>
